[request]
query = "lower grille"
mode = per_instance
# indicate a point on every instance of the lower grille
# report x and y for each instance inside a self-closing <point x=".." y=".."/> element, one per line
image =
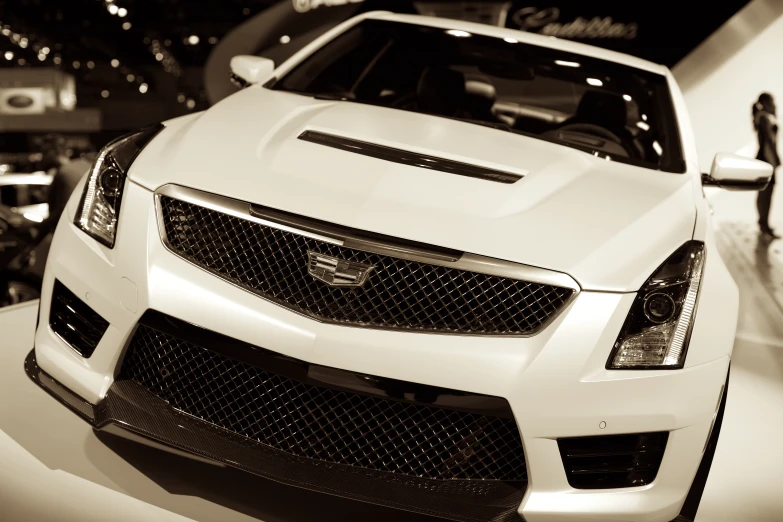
<point x="612" y="461"/>
<point x="415" y="447"/>
<point x="75" y="322"/>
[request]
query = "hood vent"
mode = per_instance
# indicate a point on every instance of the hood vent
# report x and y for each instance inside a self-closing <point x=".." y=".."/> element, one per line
<point x="405" y="157"/>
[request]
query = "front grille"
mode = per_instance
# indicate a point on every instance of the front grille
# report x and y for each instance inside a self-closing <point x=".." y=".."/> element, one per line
<point x="399" y="294"/>
<point x="75" y="322"/>
<point x="612" y="461"/>
<point x="325" y="424"/>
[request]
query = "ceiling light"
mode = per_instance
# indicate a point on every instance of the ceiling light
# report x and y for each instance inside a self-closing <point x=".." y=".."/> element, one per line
<point x="22" y="61"/>
<point x="130" y="77"/>
<point x="58" y="60"/>
<point x="23" y="43"/>
<point x="566" y="63"/>
<point x="143" y="88"/>
<point x="45" y="50"/>
<point x="126" y="25"/>
<point x="113" y="9"/>
<point x="159" y="56"/>
<point x="193" y="39"/>
<point x="6" y="32"/>
<point x="105" y="93"/>
<point x="213" y="40"/>
<point x="458" y="33"/>
<point x="76" y="65"/>
<point x="285" y="39"/>
<point x="595" y="82"/>
<point x="122" y="12"/>
<point x="9" y="55"/>
<point x="191" y="103"/>
<point x="510" y="40"/>
<point x="181" y="98"/>
<point x="91" y="65"/>
<point x="42" y="57"/>
<point x="627" y="97"/>
<point x="115" y="63"/>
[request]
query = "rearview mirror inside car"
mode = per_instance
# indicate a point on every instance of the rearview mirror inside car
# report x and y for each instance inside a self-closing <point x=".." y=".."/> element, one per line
<point x="733" y="172"/>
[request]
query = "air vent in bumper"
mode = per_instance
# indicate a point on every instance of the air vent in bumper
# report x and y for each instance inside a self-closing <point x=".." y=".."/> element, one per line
<point x="76" y="323"/>
<point x="613" y="461"/>
<point x="434" y="451"/>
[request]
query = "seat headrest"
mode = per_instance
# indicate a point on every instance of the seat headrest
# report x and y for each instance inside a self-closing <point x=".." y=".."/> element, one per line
<point x="602" y="108"/>
<point x="441" y="91"/>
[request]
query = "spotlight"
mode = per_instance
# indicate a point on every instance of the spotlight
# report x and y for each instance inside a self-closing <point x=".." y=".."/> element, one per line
<point x="91" y="65"/>
<point x="193" y="39"/>
<point x="181" y="98"/>
<point x="159" y="56"/>
<point x="105" y="93"/>
<point x="130" y="77"/>
<point x="45" y="50"/>
<point x="122" y="12"/>
<point x="57" y="60"/>
<point x="213" y="40"/>
<point x="9" y="55"/>
<point x="126" y="25"/>
<point x="76" y="65"/>
<point x="113" y="9"/>
<point x="115" y="63"/>
<point x="191" y="103"/>
<point x="22" y="61"/>
<point x="143" y="88"/>
<point x="627" y="97"/>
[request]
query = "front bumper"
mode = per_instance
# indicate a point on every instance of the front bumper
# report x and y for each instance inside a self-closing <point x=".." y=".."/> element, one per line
<point x="555" y="382"/>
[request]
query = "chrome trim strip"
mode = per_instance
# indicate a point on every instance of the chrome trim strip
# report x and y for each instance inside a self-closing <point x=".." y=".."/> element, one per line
<point x="412" y="159"/>
<point x="343" y="236"/>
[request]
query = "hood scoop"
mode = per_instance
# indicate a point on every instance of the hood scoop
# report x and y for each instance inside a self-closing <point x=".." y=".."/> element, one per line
<point x="404" y="157"/>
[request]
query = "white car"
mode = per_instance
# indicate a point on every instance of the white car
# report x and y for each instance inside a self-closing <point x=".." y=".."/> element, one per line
<point x="443" y="267"/>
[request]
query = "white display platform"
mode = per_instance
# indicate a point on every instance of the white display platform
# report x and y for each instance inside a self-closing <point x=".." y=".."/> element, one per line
<point x="53" y="467"/>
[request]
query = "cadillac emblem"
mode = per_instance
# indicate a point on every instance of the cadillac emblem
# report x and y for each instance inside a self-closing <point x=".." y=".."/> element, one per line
<point x="337" y="272"/>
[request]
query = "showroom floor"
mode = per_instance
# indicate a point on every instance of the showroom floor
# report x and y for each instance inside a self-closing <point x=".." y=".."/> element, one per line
<point x="55" y="468"/>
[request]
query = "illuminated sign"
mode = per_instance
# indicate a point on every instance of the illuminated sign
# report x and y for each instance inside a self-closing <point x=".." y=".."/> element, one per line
<point x="303" y="6"/>
<point x="547" y="22"/>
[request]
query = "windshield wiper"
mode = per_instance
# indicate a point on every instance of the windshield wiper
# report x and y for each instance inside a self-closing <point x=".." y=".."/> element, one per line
<point x="335" y="96"/>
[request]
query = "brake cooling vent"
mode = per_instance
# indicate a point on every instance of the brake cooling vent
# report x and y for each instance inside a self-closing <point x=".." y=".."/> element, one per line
<point x="613" y="461"/>
<point x="76" y="323"/>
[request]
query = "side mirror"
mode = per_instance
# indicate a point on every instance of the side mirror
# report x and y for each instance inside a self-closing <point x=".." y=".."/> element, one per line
<point x="733" y="172"/>
<point x="247" y="70"/>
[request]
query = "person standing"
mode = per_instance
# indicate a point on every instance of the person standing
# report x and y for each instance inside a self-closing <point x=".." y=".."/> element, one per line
<point x="766" y="125"/>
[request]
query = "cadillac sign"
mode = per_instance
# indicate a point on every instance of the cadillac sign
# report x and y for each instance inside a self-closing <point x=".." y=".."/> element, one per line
<point x="547" y="22"/>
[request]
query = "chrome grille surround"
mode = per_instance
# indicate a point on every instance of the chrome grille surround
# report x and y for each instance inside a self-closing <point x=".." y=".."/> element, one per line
<point x="413" y="287"/>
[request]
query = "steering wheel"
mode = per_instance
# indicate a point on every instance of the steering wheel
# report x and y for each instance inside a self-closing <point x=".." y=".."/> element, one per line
<point x="595" y="130"/>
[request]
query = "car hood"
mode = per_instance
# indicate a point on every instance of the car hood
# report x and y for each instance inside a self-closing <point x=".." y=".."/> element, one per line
<point x="607" y="224"/>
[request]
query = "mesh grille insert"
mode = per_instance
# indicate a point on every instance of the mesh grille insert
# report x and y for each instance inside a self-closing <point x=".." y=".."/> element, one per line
<point x="329" y="425"/>
<point x="399" y="294"/>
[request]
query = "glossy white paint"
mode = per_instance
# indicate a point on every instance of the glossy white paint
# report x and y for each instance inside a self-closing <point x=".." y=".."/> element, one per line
<point x="252" y="69"/>
<point x="606" y="224"/>
<point x="732" y="168"/>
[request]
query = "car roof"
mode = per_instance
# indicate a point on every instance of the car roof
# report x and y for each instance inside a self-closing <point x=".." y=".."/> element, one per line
<point x="550" y="42"/>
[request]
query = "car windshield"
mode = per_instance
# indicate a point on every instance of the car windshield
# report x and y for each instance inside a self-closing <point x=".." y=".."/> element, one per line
<point x="604" y="108"/>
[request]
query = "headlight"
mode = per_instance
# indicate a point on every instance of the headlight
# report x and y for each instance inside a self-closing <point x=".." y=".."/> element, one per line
<point x="99" y="207"/>
<point x="656" y="333"/>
